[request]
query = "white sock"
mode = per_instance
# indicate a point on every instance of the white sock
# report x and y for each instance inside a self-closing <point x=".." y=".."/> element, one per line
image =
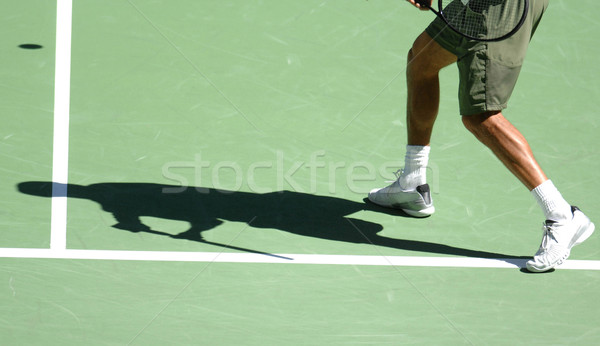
<point x="415" y="167"/>
<point x="553" y="204"/>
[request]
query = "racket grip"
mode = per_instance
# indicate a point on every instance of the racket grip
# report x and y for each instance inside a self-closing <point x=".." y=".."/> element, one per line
<point x="424" y="3"/>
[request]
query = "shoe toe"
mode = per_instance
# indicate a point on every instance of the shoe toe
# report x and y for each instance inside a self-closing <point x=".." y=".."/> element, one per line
<point x="377" y="196"/>
<point x="536" y="267"/>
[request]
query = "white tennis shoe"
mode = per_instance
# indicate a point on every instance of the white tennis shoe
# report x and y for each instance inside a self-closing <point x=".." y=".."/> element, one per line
<point x="558" y="240"/>
<point x="415" y="202"/>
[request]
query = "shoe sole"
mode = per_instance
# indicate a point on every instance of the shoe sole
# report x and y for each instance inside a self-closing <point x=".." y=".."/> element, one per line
<point x="419" y="213"/>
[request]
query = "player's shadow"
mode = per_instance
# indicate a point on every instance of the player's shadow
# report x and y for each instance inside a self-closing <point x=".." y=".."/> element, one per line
<point x="204" y="208"/>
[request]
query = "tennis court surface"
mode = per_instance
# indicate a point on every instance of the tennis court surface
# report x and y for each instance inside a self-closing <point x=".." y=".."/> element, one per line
<point x="194" y="173"/>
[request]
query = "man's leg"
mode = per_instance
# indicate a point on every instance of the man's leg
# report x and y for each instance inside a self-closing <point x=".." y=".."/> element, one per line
<point x="425" y="60"/>
<point x="410" y="192"/>
<point x="565" y="226"/>
<point x="508" y="144"/>
<point x="512" y="149"/>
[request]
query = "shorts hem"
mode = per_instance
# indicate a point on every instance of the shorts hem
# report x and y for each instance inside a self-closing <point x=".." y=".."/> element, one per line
<point x="473" y="110"/>
<point x="435" y="32"/>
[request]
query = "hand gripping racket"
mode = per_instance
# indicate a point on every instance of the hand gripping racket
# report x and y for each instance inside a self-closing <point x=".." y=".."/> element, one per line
<point x="481" y="20"/>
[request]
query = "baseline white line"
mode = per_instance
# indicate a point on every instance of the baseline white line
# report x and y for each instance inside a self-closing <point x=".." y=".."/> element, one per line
<point x="227" y="257"/>
<point x="60" y="149"/>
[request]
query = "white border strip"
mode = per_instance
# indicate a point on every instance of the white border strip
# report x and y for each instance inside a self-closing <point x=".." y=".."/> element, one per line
<point x="228" y="257"/>
<point x="60" y="149"/>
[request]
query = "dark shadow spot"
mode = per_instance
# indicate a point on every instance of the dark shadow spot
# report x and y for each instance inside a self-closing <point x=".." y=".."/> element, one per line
<point x="30" y="46"/>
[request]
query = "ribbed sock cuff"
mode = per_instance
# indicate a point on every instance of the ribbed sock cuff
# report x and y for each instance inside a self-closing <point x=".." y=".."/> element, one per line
<point x="551" y="201"/>
<point x="415" y="166"/>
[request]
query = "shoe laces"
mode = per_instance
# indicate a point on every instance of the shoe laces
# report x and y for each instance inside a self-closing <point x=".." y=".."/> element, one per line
<point x="398" y="173"/>
<point x="549" y="252"/>
<point x="548" y="236"/>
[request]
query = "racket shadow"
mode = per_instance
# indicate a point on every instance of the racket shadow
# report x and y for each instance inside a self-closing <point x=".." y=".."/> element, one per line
<point x="309" y="215"/>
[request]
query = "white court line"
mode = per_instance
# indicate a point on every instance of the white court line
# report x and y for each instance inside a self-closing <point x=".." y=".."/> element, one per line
<point x="227" y="257"/>
<point x="60" y="149"/>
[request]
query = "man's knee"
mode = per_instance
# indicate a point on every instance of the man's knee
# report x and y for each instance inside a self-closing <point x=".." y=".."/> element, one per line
<point x="417" y="55"/>
<point x="480" y="124"/>
<point x="426" y="56"/>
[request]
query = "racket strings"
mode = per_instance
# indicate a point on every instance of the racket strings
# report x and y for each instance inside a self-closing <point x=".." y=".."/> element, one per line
<point x="485" y="19"/>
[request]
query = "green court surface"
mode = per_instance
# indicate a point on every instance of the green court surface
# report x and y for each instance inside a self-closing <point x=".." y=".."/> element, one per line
<point x="219" y="154"/>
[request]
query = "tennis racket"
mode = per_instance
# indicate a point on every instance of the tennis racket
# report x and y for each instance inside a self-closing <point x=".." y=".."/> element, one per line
<point x="481" y="20"/>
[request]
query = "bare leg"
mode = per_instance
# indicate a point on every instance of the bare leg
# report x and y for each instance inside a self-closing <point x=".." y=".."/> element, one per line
<point x="508" y="144"/>
<point x="425" y="59"/>
<point x="410" y="192"/>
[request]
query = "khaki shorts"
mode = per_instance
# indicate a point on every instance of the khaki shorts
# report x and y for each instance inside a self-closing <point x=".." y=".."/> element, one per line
<point x="488" y="70"/>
